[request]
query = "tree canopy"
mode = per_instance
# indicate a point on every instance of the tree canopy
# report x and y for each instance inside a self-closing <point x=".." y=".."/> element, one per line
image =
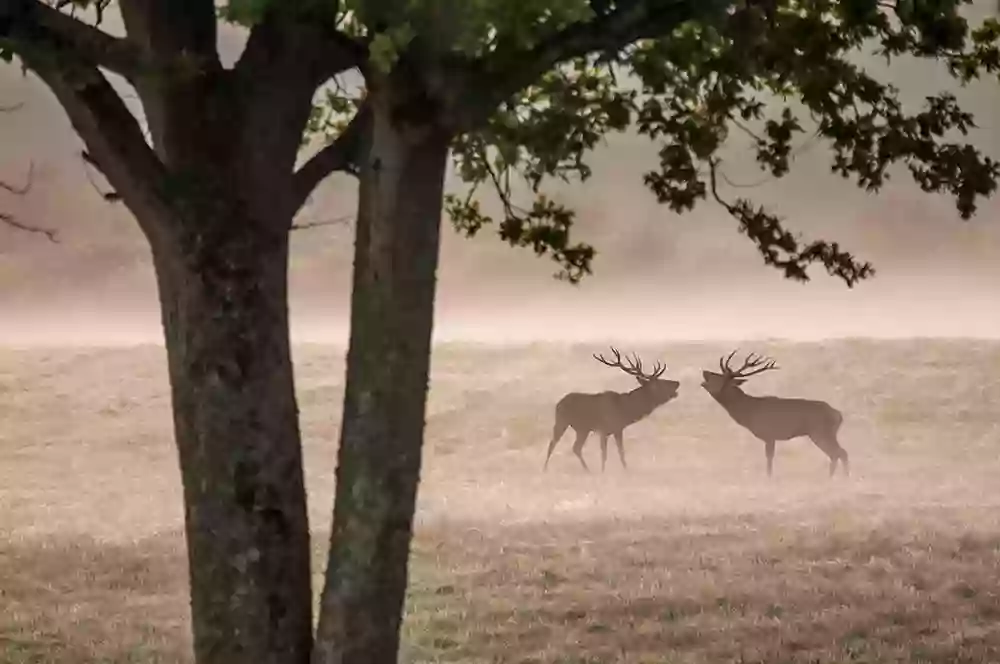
<point x="532" y="88"/>
<point x="776" y="71"/>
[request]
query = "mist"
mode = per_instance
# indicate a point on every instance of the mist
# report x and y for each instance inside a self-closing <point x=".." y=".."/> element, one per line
<point x="657" y="275"/>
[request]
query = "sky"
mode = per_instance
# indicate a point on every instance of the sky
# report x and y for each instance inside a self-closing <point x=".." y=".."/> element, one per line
<point x="657" y="275"/>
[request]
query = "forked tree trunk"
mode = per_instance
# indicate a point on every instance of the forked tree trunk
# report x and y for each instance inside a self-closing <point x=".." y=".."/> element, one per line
<point x="378" y="468"/>
<point x="224" y="308"/>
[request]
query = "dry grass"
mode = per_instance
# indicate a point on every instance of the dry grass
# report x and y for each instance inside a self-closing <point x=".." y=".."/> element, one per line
<point x="690" y="557"/>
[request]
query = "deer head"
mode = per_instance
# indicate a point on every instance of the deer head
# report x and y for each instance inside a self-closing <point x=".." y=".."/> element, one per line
<point x="717" y="383"/>
<point x="663" y="390"/>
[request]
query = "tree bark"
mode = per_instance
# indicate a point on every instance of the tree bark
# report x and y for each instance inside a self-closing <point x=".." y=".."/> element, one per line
<point x="392" y="312"/>
<point x="223" y="297"/>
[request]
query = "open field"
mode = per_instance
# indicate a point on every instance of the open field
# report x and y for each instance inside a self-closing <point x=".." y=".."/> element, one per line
<point x="692" y="556"/>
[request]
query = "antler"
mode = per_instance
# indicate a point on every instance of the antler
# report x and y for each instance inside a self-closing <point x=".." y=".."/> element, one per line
<point x="634" y="367"/>
<point x="753" y="361"/>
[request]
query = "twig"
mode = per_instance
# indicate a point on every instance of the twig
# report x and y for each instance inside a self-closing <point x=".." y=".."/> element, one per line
<point x="8" y="220"/>
<point x="336" y="221"/>
<point x="796" y="152"/>
<point x="713" y="182"/>
<point x="20" y="191"/>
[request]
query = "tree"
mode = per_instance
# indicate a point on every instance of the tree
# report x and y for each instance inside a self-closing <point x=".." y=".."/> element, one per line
<point x="509" y="90"/>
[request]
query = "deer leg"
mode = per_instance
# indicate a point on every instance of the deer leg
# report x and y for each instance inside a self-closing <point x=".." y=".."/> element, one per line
<point x="621" y="449"/>
<point x="604" y="451"/>
<point x="834" y="451"/>
<point x="769" y="453"/>
<point x="581" y="438"/>
<point x="557" y="432"/>
<point x="841" y="455"/>
<point x="845" y="461"/>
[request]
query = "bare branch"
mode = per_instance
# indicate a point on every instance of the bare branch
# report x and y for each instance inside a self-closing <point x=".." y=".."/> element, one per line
<point x="336" y="221"/>
<point x="115" y="141"/>
<point x="9" y="220"/>
<point x="23" y="189"/>
<point x="342" y="155"/>
<point x="31" y="24"/>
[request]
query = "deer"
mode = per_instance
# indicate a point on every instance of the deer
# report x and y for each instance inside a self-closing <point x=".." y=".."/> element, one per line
<point x="609" y="413"/>
<point x="771" y="418"/>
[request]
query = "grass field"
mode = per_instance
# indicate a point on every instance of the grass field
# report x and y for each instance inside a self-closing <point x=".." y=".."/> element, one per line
<point x="692" y="556"/>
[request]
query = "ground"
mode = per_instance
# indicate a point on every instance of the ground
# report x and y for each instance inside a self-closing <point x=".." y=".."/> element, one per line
<point x="690" y="556"/>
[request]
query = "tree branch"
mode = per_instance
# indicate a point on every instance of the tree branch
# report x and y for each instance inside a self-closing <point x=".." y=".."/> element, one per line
<point x="109" y="196"/>
<point x="295" y="36"/>
<point x="115" y="141"/>
<point x="292" y="50"/>
<point x="336" y="221"/>
<point x="343" y="154"/>
<point x="9" y="220"/>
<point x="23" y="189"/>
<point x="38" y="25"/>
<point x="510" y="67"/>
<point x="183" y="32"/>
<point x="782" y="250"/>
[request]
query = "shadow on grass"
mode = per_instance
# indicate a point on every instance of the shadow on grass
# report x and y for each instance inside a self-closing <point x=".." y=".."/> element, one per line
<point x="748" y="589"/>
<point x="752" y="589"/>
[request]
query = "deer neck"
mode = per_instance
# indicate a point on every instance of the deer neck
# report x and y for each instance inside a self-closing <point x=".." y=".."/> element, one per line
<point x="638" y="403"/>
<point x="734" y="400"/>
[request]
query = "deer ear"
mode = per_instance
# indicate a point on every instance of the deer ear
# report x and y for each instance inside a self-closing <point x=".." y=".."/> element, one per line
<point x="739" y="381"/>
<point x="641" y="381"/>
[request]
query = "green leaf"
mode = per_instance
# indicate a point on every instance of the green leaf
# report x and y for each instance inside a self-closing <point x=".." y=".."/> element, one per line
<point x="783" y="72"/>
<point x="245" y="12"/>
<point x="385" y="48"/>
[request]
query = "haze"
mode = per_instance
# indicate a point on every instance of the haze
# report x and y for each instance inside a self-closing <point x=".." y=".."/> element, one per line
<point x="658" y="275"/>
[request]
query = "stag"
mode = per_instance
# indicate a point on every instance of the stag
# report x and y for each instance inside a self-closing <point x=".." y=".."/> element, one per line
<point x="608" y="413"/>
<point x="770" y="418"/>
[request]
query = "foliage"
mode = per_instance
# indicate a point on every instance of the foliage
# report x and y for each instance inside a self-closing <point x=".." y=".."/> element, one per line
<point x="685" y="88"/>
<point x="699" y="82"/>
<point x="688" y="89"/>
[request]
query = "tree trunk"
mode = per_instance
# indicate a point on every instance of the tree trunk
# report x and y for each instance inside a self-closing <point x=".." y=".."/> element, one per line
<point x="223" y="294"/>
<point x="378" y="468"/>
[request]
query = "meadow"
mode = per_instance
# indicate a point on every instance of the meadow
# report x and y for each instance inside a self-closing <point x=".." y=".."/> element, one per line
<point x="691" y="556"/>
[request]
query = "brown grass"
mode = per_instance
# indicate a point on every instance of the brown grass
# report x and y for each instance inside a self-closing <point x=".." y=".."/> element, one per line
<point x="691" y="557"/>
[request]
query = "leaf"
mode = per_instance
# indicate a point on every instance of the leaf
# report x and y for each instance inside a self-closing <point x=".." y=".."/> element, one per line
<point x="384" y="49"/>
<point x="783" y="72"/>
<point x="245" y="12"/>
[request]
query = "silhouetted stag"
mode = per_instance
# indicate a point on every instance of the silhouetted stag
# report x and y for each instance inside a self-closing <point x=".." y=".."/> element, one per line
<point x="608" y="413"/>
<point x="775" y="418"/>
